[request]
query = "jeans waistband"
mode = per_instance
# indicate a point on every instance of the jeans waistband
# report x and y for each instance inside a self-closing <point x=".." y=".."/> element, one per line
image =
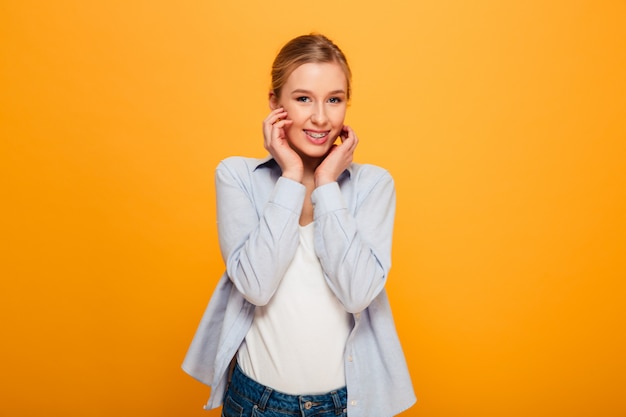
<point x="266" y="397"/>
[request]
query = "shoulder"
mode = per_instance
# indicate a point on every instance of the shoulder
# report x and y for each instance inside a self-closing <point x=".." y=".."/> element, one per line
<point x="369" y="174"/>
<point x="243" y="166"/>
<point x="369" y="169"/>
<point x="240" y="163"/>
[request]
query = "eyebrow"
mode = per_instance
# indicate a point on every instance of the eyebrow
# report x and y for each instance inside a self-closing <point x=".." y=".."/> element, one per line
<point x="301" y="91"/>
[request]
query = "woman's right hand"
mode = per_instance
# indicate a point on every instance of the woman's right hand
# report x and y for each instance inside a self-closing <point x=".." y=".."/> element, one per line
<point x="276" y="144"/>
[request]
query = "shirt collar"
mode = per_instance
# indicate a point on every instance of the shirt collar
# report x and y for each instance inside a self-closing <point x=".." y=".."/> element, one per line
<point x="270" y="162"/>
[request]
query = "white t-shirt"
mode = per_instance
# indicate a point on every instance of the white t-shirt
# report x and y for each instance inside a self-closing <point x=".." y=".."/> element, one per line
<point x="296" y="342"/>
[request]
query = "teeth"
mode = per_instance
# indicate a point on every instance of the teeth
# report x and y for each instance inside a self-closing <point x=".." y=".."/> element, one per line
<point x="316" y="135"/>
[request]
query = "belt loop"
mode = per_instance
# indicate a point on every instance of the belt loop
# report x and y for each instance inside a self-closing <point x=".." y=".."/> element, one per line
<point x="337" y="402"/>
<point x="264" y="398"/>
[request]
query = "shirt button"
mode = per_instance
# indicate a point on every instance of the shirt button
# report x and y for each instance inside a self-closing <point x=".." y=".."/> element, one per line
<point x="357" y="315"/>
<point x="353" y="402"/>
<point x="350" y="358"/>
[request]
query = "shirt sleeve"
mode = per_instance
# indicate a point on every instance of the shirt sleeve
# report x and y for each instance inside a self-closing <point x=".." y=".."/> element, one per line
<point x="355" y="248"/>
<point x="256" y="249"/>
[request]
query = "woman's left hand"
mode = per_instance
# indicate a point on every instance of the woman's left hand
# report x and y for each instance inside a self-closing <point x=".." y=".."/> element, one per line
<point x="338" y="159"/>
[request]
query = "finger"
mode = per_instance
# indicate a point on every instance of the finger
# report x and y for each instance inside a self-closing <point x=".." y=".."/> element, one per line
<point x="352" y="136"/>
<point x="356" y="139"/>
<point x="277" y="128"/>
<point x="274" y="120"/>
<point x="278" y="117"/>
<point x="281" y="123"/>
<point x="275" y="115"/>
<point x="347" y="134"/>
<point x="344" y="133"/>
<point x="271" y="121"/>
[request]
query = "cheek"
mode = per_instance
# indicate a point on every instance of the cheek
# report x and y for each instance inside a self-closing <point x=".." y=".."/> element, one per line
<point x="292" y="130"/>
<point x="338" y="116"/>
<point x="295" y="114"/>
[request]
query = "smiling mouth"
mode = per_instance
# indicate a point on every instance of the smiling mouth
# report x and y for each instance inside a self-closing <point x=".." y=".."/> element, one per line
<point x="316" y="135"/>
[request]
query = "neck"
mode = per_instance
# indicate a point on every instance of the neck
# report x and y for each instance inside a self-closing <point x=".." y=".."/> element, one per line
<point x="310" y="164"/>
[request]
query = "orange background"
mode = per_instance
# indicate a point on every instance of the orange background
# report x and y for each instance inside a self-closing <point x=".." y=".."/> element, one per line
<point x="503" y="123"/>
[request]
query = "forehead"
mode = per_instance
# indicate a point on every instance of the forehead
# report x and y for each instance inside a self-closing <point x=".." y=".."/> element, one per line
<point x="318" y="77"/>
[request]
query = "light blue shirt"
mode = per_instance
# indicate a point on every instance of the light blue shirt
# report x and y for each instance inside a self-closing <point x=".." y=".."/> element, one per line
<point x="258" y="214"/>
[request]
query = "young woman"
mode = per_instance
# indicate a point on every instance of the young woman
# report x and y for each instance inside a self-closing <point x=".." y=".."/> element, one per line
<point x="299" y="323"/>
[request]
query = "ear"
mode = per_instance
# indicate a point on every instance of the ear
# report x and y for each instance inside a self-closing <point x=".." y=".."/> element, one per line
<point x="273" y="100"/>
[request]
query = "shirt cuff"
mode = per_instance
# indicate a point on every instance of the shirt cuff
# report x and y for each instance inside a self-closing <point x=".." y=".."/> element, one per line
<point x="288" y="194"/>
<point x="327" y="198"/>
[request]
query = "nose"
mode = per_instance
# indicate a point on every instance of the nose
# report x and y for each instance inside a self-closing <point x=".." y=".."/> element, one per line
<point x="319" y="116"/>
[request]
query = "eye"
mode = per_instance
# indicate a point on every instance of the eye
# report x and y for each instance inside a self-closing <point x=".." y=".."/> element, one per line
<point x="334" y="100"/>
<point x="303" y="99"/>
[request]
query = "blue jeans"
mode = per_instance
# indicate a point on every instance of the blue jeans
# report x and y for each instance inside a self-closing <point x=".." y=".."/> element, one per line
<point x="247" y="398"/>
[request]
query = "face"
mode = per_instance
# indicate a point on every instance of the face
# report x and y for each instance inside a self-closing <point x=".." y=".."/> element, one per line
<point x="314" y="98"/>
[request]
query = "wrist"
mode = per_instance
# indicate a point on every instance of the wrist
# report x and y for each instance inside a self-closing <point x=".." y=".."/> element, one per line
<point x="322" y="180"/>
<point x="294" y="175"/>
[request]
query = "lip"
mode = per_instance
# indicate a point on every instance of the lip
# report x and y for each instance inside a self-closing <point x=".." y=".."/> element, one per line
<point x="317" y="140"/>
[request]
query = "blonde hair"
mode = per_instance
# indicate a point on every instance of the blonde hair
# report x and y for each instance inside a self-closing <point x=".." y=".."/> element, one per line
<point x="312" y="48"/>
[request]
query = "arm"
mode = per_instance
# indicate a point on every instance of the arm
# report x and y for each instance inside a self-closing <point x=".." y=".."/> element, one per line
<point x="355" y="250"/>
<point x="256" y="249"/>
